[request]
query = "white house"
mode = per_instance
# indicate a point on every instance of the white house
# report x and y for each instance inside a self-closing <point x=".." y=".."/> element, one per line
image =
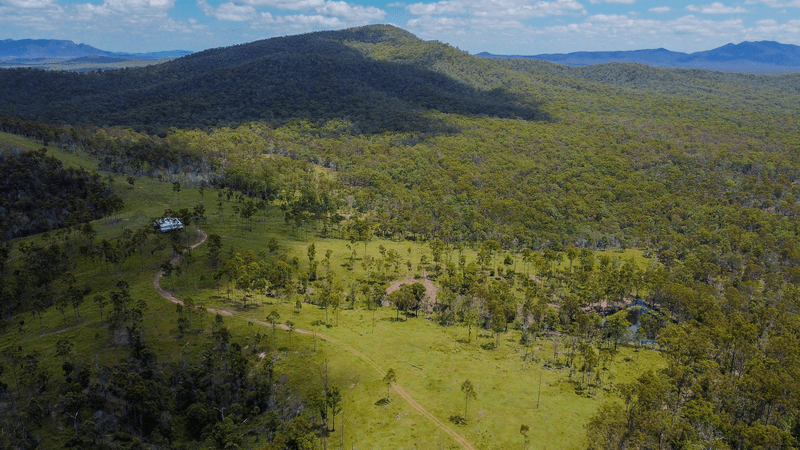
<point x="168" y="224"/>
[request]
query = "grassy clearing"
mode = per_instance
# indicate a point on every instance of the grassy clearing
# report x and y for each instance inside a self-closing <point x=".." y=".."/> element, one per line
<point x="431" y="361"/>
<point x="638" y="255"/>
<point x="69" y="159"/>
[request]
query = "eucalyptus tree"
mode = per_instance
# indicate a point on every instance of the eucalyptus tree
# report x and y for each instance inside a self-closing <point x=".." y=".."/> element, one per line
<point x="389" y="379"/>
<point x="469" y="393"/>
<point x="471" y="318"/>
<point x="273" y="318"/>
<point x="360" y="229"/>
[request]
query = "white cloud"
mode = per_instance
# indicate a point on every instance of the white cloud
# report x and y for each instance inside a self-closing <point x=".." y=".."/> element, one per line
<point x="716" y="8"/>
<point x="299" y="5"/>
<point x="443" y="7"/>
<point x="331" y="13"/>
<point x="298" y="23"/>
<point x="326" y="14"/>
<point x="30" y="3"/>
<point x="88" y="11"/>
<point x="498" y="26"/>
<point x="349" y="13"/>
<point x="497" y="9"/>
<point x="130" y="11"/>
<point x="621" y="2"/>
<point x="131" y="5"/>
<point x="230" y="12"/>
<point x="642" y="30"/>
<point x="444" y="24"/>
<point x="775" y="3"/>
<point x="600" y="32"/>
<point x="121" y="25"/>
<point x="771" y="30"/>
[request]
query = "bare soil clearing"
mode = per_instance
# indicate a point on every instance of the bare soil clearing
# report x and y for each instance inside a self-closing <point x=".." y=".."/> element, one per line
<point x="430" y="291"/>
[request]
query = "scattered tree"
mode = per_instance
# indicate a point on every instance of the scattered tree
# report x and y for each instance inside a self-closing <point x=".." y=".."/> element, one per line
<point x="389" y="378"/>
<point x="469" y="392"/>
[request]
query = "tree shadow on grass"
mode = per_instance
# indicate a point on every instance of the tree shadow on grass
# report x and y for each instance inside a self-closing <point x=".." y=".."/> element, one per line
<point x="458" y="419"/>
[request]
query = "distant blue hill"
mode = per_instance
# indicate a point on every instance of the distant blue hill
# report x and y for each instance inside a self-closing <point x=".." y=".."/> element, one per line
<point x="156" y="55"/>
<point x="97" y="59"/>
<point x="763" y="56"/>
<point x="52" y="48"/>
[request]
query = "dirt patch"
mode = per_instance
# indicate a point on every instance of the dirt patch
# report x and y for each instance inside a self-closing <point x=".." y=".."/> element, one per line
<point x="430" y="291"/>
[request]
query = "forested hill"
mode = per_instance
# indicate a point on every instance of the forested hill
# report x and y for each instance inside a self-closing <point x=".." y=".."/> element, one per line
<point x="377" y="78"/>
<point x="317" y="76"/>
<point x="726" y="87"/>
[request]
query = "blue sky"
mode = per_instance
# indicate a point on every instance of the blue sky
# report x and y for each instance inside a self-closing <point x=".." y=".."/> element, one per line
<point x="498" y="26"/>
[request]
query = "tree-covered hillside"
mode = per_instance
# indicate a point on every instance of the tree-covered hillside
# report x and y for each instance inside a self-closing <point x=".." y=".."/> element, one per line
<point x="495" y="166"/>
<point x="314" y="77"/>
<point x="37" y="194"/>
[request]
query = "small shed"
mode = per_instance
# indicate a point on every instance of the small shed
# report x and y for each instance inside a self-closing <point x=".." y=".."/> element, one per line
<point x="168" y="224"/>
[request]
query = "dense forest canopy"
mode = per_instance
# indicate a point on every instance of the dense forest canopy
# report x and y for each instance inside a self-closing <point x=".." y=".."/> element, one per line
<point x="315" y="77"/>
<point x="37" y="194"/>
<point x="373" y="132"/>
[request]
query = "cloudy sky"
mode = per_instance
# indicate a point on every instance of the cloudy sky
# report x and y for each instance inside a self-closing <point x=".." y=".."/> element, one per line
<point x="498" y="26"/>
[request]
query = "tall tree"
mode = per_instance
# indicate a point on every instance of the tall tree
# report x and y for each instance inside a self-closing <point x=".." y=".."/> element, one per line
<point x="470" y="319"/>
<point x="469" y="392"/>
<point x="360" y="229"/>
<point x="389" y="378"/>
<point x="333" y="396"/>
<point x="290" y="325"/>
<point x="101" y="303"/>
<point x="273" y="318"/>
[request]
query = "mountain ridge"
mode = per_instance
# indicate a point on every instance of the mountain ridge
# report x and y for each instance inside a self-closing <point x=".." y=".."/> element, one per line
<point x="55" y="48"/>
<point x="376" y="78"/>
<point x="760" y="56"/>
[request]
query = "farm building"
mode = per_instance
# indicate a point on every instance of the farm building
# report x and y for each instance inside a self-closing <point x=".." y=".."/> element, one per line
<point x="168" y="224"/>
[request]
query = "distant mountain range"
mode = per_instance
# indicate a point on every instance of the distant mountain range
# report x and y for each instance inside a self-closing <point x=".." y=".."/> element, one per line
<point x="11" y="49"/>
<point x="763" y="56"/>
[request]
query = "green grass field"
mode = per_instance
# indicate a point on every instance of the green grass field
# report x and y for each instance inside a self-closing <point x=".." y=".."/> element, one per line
<point x="431" y="361"/>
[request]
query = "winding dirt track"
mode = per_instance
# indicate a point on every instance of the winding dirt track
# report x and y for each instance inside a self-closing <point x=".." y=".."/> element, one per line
<point x="400" y="390"/>
<point x="170" y="297"/>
